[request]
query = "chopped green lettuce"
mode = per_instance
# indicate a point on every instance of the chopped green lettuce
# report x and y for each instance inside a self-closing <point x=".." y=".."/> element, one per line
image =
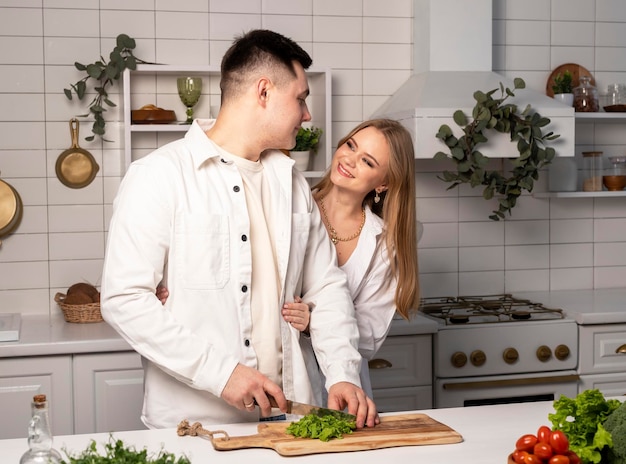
<point x="324" y="428"/>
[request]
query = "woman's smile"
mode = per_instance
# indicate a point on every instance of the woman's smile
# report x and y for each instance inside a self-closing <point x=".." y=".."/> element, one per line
<point x="343" y="171"/>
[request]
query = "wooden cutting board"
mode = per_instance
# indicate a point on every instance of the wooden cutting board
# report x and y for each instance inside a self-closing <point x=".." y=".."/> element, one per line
<point x="396" y="430"/>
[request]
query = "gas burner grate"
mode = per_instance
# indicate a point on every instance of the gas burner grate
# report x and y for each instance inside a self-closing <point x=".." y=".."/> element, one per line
<point x="482" y="309"/>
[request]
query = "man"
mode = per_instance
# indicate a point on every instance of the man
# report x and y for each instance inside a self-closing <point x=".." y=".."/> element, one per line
<point x="223" y="219"/>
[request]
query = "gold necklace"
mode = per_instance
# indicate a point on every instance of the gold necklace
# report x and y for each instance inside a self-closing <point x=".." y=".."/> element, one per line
<point x="333" y="233"/>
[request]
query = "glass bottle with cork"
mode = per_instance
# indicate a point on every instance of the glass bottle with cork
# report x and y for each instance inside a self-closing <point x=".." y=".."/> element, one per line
<point x="40" y="450"/>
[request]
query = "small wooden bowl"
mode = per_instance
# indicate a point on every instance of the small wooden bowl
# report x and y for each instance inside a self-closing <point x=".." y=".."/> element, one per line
<point x="511" y="461"/>
<point x="614" y="183"/>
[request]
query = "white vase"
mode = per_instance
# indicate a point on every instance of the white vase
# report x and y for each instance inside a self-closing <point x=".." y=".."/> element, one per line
<point x="301" y="158"/>
<point x="565" y="98"/>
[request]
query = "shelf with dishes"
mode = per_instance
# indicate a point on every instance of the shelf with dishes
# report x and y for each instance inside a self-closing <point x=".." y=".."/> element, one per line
<point x="154" y="86"/>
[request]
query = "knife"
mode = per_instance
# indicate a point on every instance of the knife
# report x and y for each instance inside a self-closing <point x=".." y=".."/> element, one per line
<point x="303" y="409"/>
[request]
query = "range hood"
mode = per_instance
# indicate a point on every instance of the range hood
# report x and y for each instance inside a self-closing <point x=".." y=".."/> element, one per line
<point x="452" y="60"/>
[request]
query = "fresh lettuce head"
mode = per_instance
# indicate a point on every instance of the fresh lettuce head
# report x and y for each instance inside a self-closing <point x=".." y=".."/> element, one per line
<point x="581" y="419"/>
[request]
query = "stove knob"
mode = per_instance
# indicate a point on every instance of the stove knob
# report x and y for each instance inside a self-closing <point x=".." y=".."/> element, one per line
<point x="561" y="352"/>
<point x="510" y="356"/>
<point x="478" y="358"/>
<point x="458" y="359"/>
<point x="544" y="353"/>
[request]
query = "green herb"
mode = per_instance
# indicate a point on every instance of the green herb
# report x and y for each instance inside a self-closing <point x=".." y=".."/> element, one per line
<point x="117" y="453"/>
<point x="581" y="419"/>
<point x="323" y="428"/>
<point x="307" y="139"/>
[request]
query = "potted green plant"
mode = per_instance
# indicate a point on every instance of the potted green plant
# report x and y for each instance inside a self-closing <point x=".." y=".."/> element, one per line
<point x="563" y="88"/>
<point x="307" y="141"/>
<point x="104" y="74"/>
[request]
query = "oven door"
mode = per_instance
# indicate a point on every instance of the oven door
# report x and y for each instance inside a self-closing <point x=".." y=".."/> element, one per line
<point x="501" y="389"/>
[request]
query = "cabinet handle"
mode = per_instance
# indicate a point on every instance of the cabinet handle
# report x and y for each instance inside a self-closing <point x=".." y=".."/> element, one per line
<point x="379" y="364"/>
<point x="621" y="349"/>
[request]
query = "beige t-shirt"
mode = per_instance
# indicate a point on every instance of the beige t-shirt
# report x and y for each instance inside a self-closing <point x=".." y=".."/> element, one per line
<point x="265" y="286"/>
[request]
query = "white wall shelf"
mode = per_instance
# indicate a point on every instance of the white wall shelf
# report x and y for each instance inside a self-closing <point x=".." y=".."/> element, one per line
<point x="156" y="84"/>
<point x="621" y="193"/>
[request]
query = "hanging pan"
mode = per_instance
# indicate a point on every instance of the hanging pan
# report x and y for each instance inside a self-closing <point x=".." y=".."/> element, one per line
<point x="11" y="209"/>
<point x="75" y="167"/>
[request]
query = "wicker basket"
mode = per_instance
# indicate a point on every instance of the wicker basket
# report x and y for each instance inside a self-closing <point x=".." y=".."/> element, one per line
<point x="81" y="313"/>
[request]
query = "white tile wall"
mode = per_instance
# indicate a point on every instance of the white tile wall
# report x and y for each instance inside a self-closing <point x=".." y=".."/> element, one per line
<point x="546" y="243"/>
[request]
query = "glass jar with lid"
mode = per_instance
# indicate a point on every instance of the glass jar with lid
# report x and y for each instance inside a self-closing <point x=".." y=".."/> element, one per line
<point x="586" y="96"/>
<point x="592" y="171"/>
<point x="614" y="178"/>
<point x="616" y="94"/>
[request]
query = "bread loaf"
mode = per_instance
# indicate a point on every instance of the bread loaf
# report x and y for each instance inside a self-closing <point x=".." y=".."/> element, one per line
<point x="82" y="293"/>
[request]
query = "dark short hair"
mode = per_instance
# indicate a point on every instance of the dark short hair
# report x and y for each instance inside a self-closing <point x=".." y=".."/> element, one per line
<point x="257" y="48"/>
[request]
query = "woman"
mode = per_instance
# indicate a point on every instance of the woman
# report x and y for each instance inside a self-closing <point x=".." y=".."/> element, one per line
<point x="367" y="202"/>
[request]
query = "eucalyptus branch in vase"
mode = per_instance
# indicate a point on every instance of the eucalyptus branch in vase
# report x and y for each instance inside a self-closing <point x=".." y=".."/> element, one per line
<point x="525" y="130"/>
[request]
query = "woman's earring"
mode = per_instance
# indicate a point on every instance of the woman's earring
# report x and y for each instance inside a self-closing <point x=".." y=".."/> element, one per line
<point x="376" y="197"/>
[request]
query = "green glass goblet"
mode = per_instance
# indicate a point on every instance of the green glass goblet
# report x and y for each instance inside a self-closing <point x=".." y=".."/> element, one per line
<point x="189" y="90"/>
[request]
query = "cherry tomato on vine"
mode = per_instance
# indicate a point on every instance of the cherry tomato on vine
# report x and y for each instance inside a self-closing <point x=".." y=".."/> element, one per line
<point x="526" y="442"/>
<point x="559" y="459"/>
<point x="543" y="450"/>
<point x="559" y="442"/>
<point x="543" y="434"/>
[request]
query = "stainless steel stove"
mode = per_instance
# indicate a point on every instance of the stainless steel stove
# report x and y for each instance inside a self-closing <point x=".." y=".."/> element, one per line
<point x="499" y="348"/>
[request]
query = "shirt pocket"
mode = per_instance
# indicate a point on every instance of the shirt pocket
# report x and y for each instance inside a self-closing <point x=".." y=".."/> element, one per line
<point x="204" y="257"/>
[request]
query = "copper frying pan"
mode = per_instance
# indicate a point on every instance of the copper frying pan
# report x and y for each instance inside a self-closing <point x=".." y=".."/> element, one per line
<point x="11" y="209"/>
<point x="75" y="167"/>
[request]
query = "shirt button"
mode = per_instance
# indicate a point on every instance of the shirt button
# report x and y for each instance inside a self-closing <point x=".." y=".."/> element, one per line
<point x="244" y="238"/>
<point x="247" y="342"/>
<point x="244" y="288"/>
<point x="236" y="188"/>
<point x="223" y="160"/>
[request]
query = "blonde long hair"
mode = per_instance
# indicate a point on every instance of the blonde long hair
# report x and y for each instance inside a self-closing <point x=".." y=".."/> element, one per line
<point x="396" y="208"/>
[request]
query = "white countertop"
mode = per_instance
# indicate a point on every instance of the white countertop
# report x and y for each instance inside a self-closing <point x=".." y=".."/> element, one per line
<point x="43" y="335"/>
<point x="489" y="434"/>
<point x="604" y="306"/>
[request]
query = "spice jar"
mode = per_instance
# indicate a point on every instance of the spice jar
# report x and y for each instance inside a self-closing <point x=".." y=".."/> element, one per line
<point x="614" y="178"/>
<point x="586" y="96"/>
<point x="592" y="171"/>
<point x="616" y="94"/>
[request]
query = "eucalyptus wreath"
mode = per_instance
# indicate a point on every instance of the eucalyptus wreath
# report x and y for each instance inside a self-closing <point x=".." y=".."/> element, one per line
<point x="525" y="130"/>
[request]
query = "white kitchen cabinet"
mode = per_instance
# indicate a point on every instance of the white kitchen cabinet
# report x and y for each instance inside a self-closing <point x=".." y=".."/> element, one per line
<point x="156" y="84"/>
<point x="87" y="393"/>
<point x="602" y="358"/>
<point x="401" y="373"/>
<point x="23" y="378"/>
<point x="108" y="392"/>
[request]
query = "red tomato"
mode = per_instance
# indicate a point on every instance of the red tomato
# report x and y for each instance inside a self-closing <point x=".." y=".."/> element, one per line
<point x="526" y="442"/>
<point x="559" y="459"/>
<point x="559" y="442"/>
<point x="543" y="450"/>
<point x="543" y="434"/>
<point x="532" y="459"/>
<point x="573" y="457"/>
<point x="520" y="456"/>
